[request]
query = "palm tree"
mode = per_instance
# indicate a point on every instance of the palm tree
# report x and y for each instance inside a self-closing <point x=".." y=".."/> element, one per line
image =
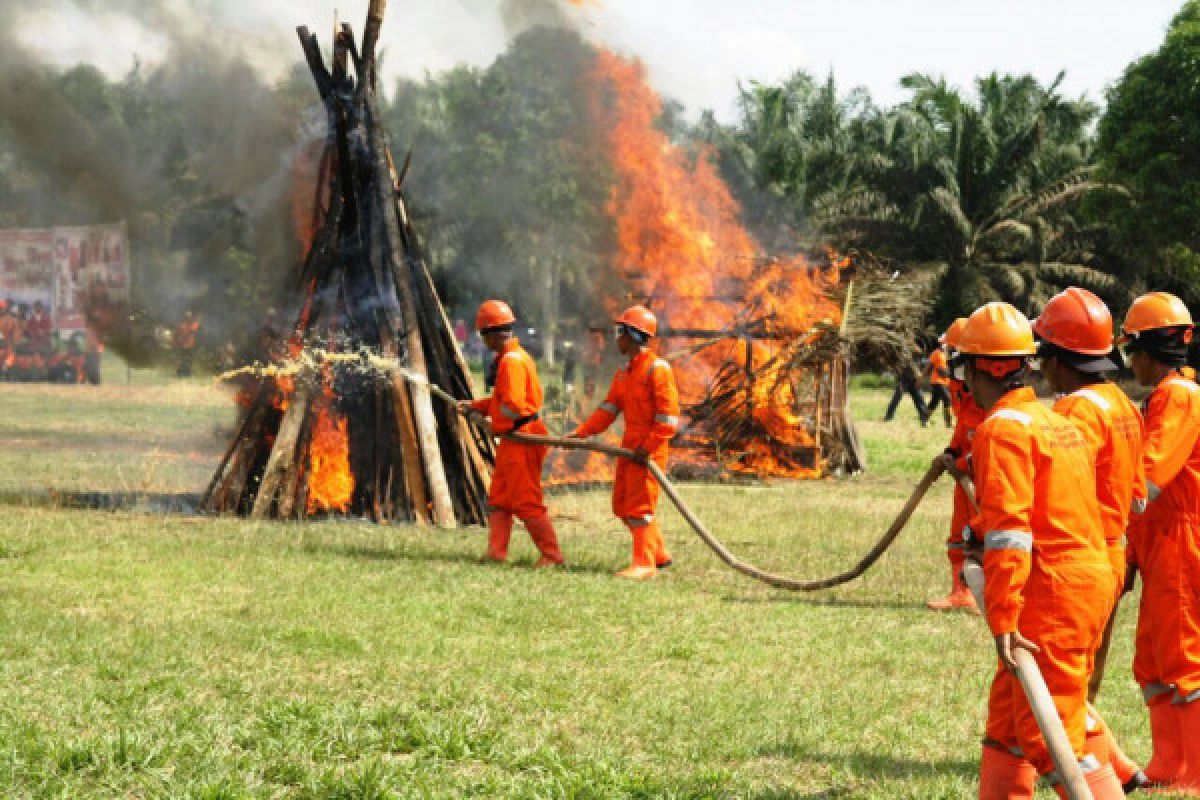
<point x="985" y="187"/>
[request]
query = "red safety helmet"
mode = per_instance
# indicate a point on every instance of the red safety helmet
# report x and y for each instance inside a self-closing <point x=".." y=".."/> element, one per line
<point x="1078" y="321"/>
<point x="1155" y="311"/>
<point x="639" y="318"/>
<point x="494" y="314"/>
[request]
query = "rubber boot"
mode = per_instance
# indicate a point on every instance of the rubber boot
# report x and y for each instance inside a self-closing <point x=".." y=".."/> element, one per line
<point x="1102" y="782"/>
<point x="642" y="567"/>
<point x="1101" y="744"/>
<point x="1166" y="729"/>
<point x="654" y="538"/>
<point x="960" y="597"/>
<point x="541" y="530"/>
<point x="499" y="532"/>
<point x="1003" y="776"/>
<point x="1189" y="742"/>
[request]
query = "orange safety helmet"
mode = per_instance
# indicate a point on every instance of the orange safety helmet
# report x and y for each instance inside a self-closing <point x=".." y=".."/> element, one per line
<point x="997" y="330"/>
<point x="493" y="314"/>
<point x="1078" y="321"/>
<point x="953" y="333"/>
<point x="1154" y="311"/>
<point x="639" y="318"/>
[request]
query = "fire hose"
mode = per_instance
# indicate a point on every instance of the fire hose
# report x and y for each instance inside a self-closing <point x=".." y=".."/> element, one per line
<point x="1028" y="674"/>
<point x="706" y="536"/>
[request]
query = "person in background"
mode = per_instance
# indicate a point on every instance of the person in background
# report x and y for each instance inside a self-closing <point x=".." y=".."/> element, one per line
<point x="10" y="326"/>
<point x="954" y="459"/>
<point x="939" y="384"/>
<point x="186" y="334"/>
<point x="907" y="382"/>
<point x="26" y="365"/>
<point x="93" y="354"/>
<point x="39" y="329"/>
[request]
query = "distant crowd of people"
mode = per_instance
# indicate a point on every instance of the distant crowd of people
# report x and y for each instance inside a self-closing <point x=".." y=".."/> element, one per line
<point x="33" y="351"/>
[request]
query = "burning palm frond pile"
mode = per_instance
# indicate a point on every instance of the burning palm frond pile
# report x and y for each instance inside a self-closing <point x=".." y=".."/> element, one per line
<point x="754" y="340"/>
<point x="328" y="430"/>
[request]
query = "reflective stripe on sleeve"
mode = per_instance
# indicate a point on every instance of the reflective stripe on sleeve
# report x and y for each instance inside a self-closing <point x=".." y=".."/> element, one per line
<point x="1096" y="398"/>
<point x="666" y="419"/>
<point x="1009" y="540"/>
<point x="1184" y="382"/>
<point x="508" y="412"/>
<point x="610" y="408"/>
<point x="1139" y="505"/>
<point x="1014" y="415"/>
<point x="1152" y="491"/>
<point x="1152" y="690"/>
<point x="639" y="522"/>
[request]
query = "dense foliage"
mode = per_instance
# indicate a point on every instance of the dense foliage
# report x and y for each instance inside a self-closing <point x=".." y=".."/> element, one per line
<point x="1009" y="189"/>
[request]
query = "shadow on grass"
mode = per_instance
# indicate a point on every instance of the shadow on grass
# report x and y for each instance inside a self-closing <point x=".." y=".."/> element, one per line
<point x="873" y="764"/>
<point x="383" y="552"/>
<point x="816" y="599"/>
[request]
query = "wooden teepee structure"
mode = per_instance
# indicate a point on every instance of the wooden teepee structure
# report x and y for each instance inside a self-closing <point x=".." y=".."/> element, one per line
<point x="343" y="431"/>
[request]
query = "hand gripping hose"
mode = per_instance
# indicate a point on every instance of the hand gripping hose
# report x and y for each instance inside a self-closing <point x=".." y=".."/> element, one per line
<point x="1040" y="701"/>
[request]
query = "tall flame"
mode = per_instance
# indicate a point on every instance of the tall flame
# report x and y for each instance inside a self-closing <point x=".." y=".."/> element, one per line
<point x="680" y="243"/>
<point x="330" y="481"/>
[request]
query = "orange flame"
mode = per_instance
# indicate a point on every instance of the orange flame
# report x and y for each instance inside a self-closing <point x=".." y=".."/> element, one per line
<point x="678" y="233"/>
<point x="330" y="481"/>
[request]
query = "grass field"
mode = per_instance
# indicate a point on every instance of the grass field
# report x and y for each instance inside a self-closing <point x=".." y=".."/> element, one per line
<point x="153" y="656"/>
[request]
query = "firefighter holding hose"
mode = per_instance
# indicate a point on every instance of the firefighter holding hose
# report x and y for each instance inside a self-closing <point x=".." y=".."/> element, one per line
<point x="1044" y="556"/>
<point x="1075" y="352"/>
<point x="514" y="406"/>
<point x="644" y="391"/>
<point x="967" y="417"/>
<point x="1164" y="540"/>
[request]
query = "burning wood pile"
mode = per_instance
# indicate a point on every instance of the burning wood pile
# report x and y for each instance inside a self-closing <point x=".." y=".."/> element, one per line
<point x="755" y="341"/>
<point x="335" y="428"/>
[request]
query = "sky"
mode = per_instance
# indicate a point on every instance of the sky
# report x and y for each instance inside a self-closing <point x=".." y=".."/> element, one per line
<point x="695" y="50"/>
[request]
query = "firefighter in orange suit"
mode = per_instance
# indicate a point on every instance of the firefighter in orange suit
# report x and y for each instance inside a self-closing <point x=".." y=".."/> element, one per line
<point x="1044" y="557"/>
<point x="514" y="406"/>
<point x="1164" y="540"/>
<point x="939" y="383"/>
<point x="1075" y="350"/>
<point x="644" y="391"/>
<point x="967" y="415"/>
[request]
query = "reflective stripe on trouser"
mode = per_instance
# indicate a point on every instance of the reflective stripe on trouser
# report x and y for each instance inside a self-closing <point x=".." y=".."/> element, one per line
<point x="1062" y="618"/>
<point x="1167" y="644"/>
<point x="517" y="478"/>
<point x="1102" y="745"/>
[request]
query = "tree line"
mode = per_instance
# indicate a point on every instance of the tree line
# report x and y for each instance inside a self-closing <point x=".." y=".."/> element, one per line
<point x="1007" y="188"/>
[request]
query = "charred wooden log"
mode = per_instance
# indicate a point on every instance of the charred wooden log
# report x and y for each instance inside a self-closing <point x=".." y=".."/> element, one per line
<point x="398" y="456"/>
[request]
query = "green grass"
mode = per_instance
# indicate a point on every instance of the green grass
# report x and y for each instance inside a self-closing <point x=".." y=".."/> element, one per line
<point x="177" y="657"/>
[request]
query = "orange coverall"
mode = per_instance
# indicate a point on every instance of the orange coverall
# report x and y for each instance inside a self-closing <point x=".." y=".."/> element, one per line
<point x="645" y="392"/>
<point x="516" y="488"/>
<point x="939" y="368"/>
<point x="967" y="417"/>
<point x="1045" y="563"/>
<point x="1113" y="425"/>
<point x="1164" y="543"/>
